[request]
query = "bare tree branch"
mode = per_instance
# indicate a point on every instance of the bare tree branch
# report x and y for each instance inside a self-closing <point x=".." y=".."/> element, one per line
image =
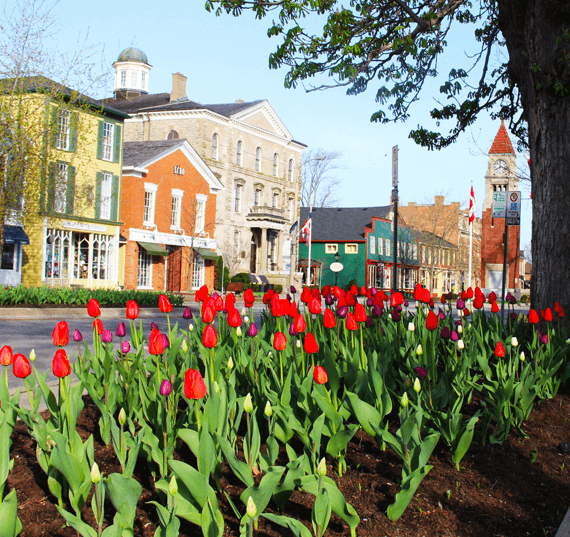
<point x="319" y="186"/>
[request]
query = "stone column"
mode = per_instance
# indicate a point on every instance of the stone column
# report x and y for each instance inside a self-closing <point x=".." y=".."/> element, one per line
<point x="263" y="259"/>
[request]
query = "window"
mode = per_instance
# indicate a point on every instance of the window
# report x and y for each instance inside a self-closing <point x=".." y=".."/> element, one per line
<point x="290" y="171"/>
<point x="143" y="80"/>
<point x="172" y="135"/>
<point x="145" y="269"/>
<point x="275" y="162"/>
<point x="237" y="200"/>
<point x="200" y="212"/>
<point x="214" y="146"/>
<point x="258" y="159"/>
<point x="275" y="199"/>
<point x="123" y="79"/>
<point x="62" y="141"/>
<point x="198" y="271"/>
<point x="106" y="193"/>
<point x="239" y="153"/>
<point x="8" y="257"/>
<point x="108" y="140"/>
<point x="291" y="208"/>
<point x="60" y="194"/>
<point x="387" y="246"/>
<point x="380" y="246"/>
<point x="331" y="248"/>
<point x="257" y="197"/>
<point x="351" y="248"/>
<point x="372" y="244"/>
<point x="149" y="201"/>
<point x="134" y="79"/>
<point x="176" y="209"/>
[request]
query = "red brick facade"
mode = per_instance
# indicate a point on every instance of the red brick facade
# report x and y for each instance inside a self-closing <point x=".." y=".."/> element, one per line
<point x="172" y="172"/>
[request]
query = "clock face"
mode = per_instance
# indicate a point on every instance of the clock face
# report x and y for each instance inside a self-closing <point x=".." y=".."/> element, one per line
<point x="500" y="166"/>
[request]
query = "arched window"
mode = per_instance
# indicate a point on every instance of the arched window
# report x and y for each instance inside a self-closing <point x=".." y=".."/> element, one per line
<point x="290" y="170"/>
<point x="258" y="159"/>
<point x="214" y="146"/>
<point x="275" y="161"/>
<point x="172" y="135"/>
<point x="239" y="153"/>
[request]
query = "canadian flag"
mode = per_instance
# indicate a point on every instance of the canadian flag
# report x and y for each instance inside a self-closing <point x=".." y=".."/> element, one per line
<point x="306" y="229"/>
<point x="472" y="206"/>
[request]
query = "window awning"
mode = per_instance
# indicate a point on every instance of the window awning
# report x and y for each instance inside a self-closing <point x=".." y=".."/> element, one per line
<point x="15" y="235"/>
<point x="153" y="248"/>
<point x="206" y="254"/>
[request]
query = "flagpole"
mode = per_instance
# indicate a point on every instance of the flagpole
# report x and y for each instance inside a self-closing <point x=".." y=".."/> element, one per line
<point x="308" y="282"/>
<point x="471" y="204"/>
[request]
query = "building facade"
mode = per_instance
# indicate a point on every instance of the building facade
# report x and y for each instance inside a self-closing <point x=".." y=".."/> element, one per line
<point x="246" y="146"/>
<point x="168" y="212"/>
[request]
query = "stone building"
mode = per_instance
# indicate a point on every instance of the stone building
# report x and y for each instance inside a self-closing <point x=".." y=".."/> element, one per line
<point x="247" y="147"/>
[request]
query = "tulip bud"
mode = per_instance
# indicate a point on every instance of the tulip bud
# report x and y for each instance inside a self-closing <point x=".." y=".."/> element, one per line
<point x="251" y="508"/>
<point x="514" y="341"/>
<point x="252" y="330"/>
<point x="32" y="355"/>
<point x="322" y="468"/>
<point x="173" y="487"/>
<point x="230" y="363"/>
<point x="298" y="343"/>
<point x="95" y="473"/>
<point x="417" y="385"/>
<point x="107" y="336"/>
<point x="243" y="312"/>
<point x="408" y="382"/>
<point x="191" y="328"/>
<point x="125" y="347"/>
<point x="238" y="331"/>
<point x="187" y="314"/>
<point x="419" y="350"/>
<point x="460" y="344"/>
<point x="121" y="330"/>
<point x="165" y="388"/>
<point x="245" y="317"/>
<point x="77" y="336"/>
<point x="460" y="329"/>
<point x="247" y="404"/>
<point x="184" y="346"/>
<point x="122" y="417"/>
<point x="268" y="409"/>
<point x="523" y="357"/>
<point x="411" y="327"/>
<point x="404" y="402"/>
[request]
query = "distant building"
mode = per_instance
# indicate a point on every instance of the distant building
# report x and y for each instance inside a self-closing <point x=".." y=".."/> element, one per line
<point x="247" y="147"/>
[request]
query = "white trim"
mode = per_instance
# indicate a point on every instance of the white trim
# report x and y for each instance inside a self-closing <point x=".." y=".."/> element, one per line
<point x="159" y="237"/>
<point x="151" y="187"/>
<point x="176" y="192"/>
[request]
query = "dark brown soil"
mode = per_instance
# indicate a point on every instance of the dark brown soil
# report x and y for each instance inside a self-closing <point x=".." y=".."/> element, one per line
<point x="499" y="490"/>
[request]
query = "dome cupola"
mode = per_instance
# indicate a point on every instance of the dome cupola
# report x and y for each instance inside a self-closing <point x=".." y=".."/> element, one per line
<point x="131" y="73"/>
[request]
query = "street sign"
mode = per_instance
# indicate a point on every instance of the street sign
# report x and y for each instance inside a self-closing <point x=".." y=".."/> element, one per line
<point x="395" y="167"/>
<point x="336" y="267"/>
<point x="499" y="204"/>
<point x="514" y="208"/>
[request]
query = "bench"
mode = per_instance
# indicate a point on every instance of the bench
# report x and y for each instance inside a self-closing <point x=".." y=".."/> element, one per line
<point x="234" y="287"/>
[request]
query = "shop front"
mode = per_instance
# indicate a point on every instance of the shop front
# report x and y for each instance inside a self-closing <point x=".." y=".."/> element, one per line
<point x="11" y="271"/>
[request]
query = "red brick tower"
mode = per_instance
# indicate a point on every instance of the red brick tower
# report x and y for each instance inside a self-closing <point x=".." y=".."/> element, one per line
<point x="501" y="176"/>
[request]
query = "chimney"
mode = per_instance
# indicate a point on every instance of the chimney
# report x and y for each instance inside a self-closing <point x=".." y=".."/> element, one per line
<point x="178" y="87"/>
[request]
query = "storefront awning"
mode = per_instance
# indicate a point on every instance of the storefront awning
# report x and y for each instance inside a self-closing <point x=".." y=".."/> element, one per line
<point x="153" y="248"/>
<point x="15" y="235"/>
<point x="206" y="254"/>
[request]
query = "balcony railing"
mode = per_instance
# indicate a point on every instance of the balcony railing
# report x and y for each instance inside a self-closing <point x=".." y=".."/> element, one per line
<point x="265" y="212"/>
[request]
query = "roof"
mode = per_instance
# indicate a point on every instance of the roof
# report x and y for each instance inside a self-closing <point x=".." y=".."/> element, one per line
<point x="42" y="84"/>
<point x="342" y="224"/>
<point x="502" y="143"/>
<point x="132" y="54"/>
<point x="137" y="153"/>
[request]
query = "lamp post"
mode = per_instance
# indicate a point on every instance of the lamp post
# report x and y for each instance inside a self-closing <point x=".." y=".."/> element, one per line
<point x="336" y="258"/>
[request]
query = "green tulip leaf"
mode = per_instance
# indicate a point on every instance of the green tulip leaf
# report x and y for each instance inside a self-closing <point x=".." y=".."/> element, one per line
<point x="10" y="524"/>
<point x="262" y="493"/>
<point x="296" y="527"/>
<point x="212" y="521"/>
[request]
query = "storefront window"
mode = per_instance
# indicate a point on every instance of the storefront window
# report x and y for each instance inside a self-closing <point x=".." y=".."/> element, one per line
<point x="58" y="244"/>
<point x="198" y="272"/>
<point x="145" y="269"/>
<point x="8" y="257"/>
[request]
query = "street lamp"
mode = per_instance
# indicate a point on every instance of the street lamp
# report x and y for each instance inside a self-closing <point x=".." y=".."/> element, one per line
<point x="336" y="258"/>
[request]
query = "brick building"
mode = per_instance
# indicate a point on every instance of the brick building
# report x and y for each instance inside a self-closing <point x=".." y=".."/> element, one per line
<point x="168" y="209"/>
<point x="501" y="176"/>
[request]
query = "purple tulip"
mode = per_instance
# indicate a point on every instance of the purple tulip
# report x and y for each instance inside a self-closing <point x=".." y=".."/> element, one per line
<point x="544" y="339"/>
<point x="397" y="309"/>
<point x="373" y="291"/>
<point x="121" y="330"/>
<point x="329" y="300"/>
<point x="459" y="322"/>
<point x="289" y="299"/>
<point x="454" y="336"/>
<point x="342" y="312"/>
<point x="514" y="316"/>
<point x="125" y="347"/>
<point x="445" y="333"/>
<point x="370" y="302"/>
<point x="107" y="336"/>
<point x="292" y="331"/>
<point x="215" y="295"/>
<point x="396" y="315"/>
<point x="153" y="325"/>
<point x="187" y="314"/>
<point x="406" y="303"/>
<point x="441" y="315"/>
<point x="165" y="388"/>
<point x="77" y="336"/>
<point x="421" y="372"/>
<point x="369" y="323"/>
<point x="165" y="341"/>
<point x="460" y="304"/>
<point x="377" y="311"/>
<point x="293" y="290"/>
<point x="252" y="330"/>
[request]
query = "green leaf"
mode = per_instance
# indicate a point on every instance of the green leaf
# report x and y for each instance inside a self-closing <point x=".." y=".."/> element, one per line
<point x="368" y="417"/>
<point x="195" y="482"/>
<point x="10" y="524"/>
<point x="192" y="439"/>
<point x="262" y="493"/>
<point x="340" y="440"/>
<point x="240" y="468"/>
<point x="465" y="441"/>
<point x="207" y="452"/>
<point x="124" y="493"/>
<point x="296" y="527"/>
<point x="321" y="513"/>
<point x="408" y="488"/>
<point x="212" y="521"/>
<point x="75" y="522"/>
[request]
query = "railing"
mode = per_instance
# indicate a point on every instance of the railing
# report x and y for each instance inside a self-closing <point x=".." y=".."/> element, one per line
<point x="265" y="211"/>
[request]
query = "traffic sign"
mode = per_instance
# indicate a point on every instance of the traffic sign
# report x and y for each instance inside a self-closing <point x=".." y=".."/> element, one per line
<point x="514" y="208"/>
<point x="499" y="204"/>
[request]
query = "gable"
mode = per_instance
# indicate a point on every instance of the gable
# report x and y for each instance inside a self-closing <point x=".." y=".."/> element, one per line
<point x="260" y="121"/>
<point x="263" y="116"/>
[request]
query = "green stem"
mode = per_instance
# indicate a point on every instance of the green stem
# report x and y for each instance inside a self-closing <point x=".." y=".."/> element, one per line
<point x="197" y="415"/>
<point x="29" y="395"/>
<point x="281" y="367"/>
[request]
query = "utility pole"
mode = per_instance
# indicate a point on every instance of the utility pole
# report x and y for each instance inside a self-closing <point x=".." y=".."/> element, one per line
<point x="395" y="201"/>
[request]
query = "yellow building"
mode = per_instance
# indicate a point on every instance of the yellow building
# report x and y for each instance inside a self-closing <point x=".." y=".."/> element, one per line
<point x="73" y="222"/>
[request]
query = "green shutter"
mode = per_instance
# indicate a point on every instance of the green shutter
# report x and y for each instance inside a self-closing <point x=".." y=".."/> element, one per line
<point x="98" y="195"/>
<point x="100" y="140"/>
<point x="117" y="148"/>
<point x="51" y="186"/>
<point x="115" y="199"/>
<point x="54" y="126"/>
<point x="74" y="122"/>
<point x="70" y="192"/>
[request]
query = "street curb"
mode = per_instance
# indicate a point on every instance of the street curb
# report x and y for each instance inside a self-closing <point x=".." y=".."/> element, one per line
<point x="106" y="313"/>
<point x="564" y="529"/>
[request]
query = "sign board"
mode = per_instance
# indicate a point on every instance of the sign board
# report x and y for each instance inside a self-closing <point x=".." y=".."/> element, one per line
<point x="336" y="267"/>
<point x="514" y="208"/>
<point x="499" y="204"/>
<point x="395" y="167"/>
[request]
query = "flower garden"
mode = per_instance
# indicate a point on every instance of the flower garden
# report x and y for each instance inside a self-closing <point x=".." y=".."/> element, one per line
<point x="272" y="408"/>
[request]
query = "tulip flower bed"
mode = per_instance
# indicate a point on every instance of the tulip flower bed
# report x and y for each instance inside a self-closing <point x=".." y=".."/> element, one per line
<point x="358" y="418"/>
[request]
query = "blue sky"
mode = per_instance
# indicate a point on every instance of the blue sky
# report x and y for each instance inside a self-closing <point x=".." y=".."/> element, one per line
<point x="226" y="59"/>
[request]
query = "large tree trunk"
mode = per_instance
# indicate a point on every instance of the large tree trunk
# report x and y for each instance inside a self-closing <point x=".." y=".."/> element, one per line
<point x="539" y="65"/>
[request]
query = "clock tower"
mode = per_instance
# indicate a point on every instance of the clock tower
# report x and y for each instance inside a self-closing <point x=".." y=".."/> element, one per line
<point x="501" y="176"/>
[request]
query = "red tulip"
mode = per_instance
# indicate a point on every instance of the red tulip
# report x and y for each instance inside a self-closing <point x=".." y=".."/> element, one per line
<point x="93" y="308"/>
<point x="336" y="291"/>
<point x="418" y="292"/>
<point x="248" y="298"/>
<point x="362" y="290"/>
<point x="351" y="323"/>
<point x="320" y="375"/>
<point x="561" y="312"/>
<point x="279" y="307"/>
<point x="548" y="315"/>
<point x="557" y="307"/>
<point x="210" y="337"/>
<point x="310" y="345"/>
<point x="316" y="293"/>
<point x="442" y="298"/>
<point x="293" y="311"/>
<point x="268" y="295"/>
<point x="341" y="301"/>
<point x="202" y="293"/>
<point x="279" y="341"/>
<point x="329" y="320"/>
<point x="325" y="290"/>
<point x="469" y="293"/>
<point x="350" y="298"/>
<point x="60" y="365"/>
<point x="299" y="324"/>
<point x="60" y="334"/>
<point x="194" y="387"/>
<point x="315" y="306"/>
<point x="479" y="301"/>
<point x="306" y="295"/>
<point x="478" y="292"/>
<point x="164" y="304"/>
<point x="494" y="307"/>
<point x="426" y="296"/>
<point x="354" y="289"/>
<point x="208" y="314"/>
<point x="492" y="296"/>
<point x="360" y="313"/>
<point x="132" y="309"/>
<point x="533" y="317"/>
<point x="98" y="325"/>
<point x="6" y="355"/>
<point x="21" y="366"/>
<point x="396" y="299"/>
<point x="155" y="342"/>
<point x="466" y="312"/>
<point x="499" y="350"/>
<point x="219" y="302"/>
<point x="230" y="301"/>
<point x="431" y="321"/>
<point x="234" y="318"/>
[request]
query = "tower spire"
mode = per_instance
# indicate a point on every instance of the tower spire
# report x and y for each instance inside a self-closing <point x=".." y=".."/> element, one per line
<point x="502" y="143"/>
